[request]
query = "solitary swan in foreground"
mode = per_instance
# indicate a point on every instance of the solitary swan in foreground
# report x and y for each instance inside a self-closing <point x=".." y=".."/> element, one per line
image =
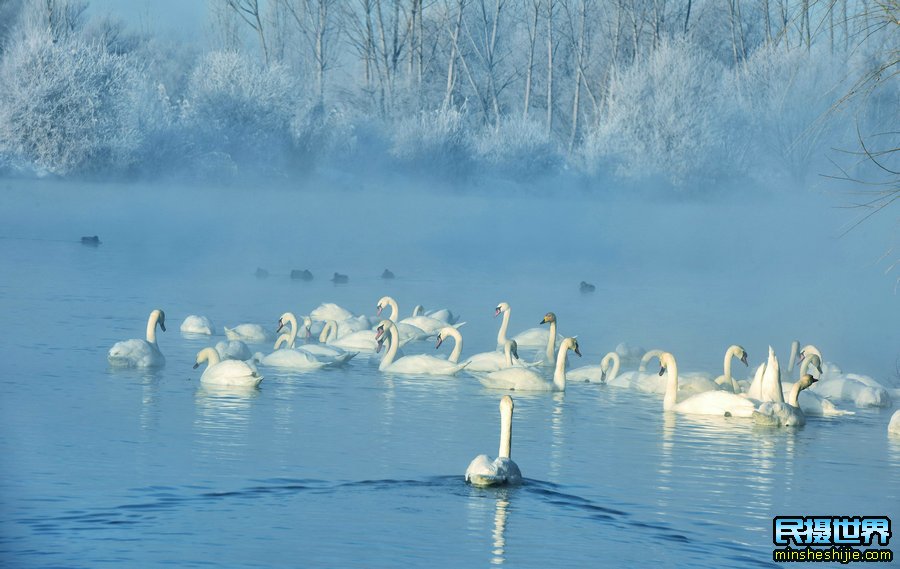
<point x="420" y="364"/>
<point x="526" y="379"/>
<point x="483" y="471"/>
<point x="194" y="324"/>
<point x="707" y="403"/>
<point x="140" y="353"/>
<point x="226" y="372"/>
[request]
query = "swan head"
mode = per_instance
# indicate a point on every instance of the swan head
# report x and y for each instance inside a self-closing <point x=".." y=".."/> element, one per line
<point x="549" y="317"/>
<point x="743" y="354"/>
<point x="160" y="319"/>
<point x="307" y="325"/>
<point x="383" y="327"/>
<point x="283" y="320"/>
<point x="506" y="405"/>
<point x="809" y="350"/>
<point x="665" y="359"/>
<point x="806" y="381"/>
<point x="571" y="344"/>
<point x="382" y="303"/>
<point x="501" y="308"/>
<point x="207" y="354"/>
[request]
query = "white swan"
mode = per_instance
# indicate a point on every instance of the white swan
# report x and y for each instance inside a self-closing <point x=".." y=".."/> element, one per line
<point x="531" y="338"/>
<point x="226" y="372"/>
<point x="140" y="353"/>
<point x="640" y="380"/>
<point x="451" y="332"/>
<point x="493" y="361"/>
<point x="233" y="350"/>
<point x="526" y="379"/>
<point x="784" y="413"/>
<point x="812" y="403"/>
<point x="483" y="471"/>
<point x="442" y="314"/>
<point x="250" y="333"/>
<point x="360" y="341"/>
<point x="726" y="381"/>
<point x="330" y="311"/>
<point x="427" y="325"/>
<point x="599" y="373"/>
<point x="860" y="390"/>
<point x="894" y="425"/>
<point x="194" y="324"/>
<point x="329" y="354"/>
<point x="420" y="364"/>
<point x="720" y="403"/>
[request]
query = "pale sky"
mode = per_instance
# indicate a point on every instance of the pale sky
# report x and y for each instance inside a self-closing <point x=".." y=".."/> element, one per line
<point x="185" y="19"/>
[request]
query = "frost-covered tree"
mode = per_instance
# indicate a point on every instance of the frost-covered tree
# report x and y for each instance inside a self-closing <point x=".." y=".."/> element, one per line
<point x="66" y="106"/>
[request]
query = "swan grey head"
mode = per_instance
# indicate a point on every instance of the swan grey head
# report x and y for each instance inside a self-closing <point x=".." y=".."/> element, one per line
<point x="161" y="320"/>
<point x="664" y="359"/>
<point x="807" y="380"/>
<point x="382" y="302"/>
<point x="744" y="357"/>
<point x="549" y="317"/>
<point x="501" y="308"/>
<point x="506" y="404"/>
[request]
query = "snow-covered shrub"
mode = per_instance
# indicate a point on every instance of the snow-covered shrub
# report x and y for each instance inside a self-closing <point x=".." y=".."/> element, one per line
<point x="662" y="118"/>
<point x="434" y="140"/>
<point x="68" y="106"/>
<point x="785" y="99"/>
<point x="519" y="148"/>
<point x="242" y="109"/>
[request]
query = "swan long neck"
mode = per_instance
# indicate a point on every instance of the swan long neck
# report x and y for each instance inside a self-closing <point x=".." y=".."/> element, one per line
<point x="388" y="358"/>
<point x="729" y="353"/>
<point x="551" y="341"/>
<point x="649" y="355"/>
<point x="794" y="396"/>
<point x="507" y="351"/>
<point x="210" y="355"/>
<point x="505" y="431"/>
<point x="795" y="347"/>
<point x="395" y="311"/>
<point x="458" y="344"/>
<point x="289" y="318"/>
<point x="559" y="375"/>
<point x="616" y="362"/>
<point x="808" y="361"/>
<point x="151" y="326"/>
<point x="283" y="339"/>
<point x="501" y="335"/>
<point x="671" y="383"/>
<point x="330" y="326"/>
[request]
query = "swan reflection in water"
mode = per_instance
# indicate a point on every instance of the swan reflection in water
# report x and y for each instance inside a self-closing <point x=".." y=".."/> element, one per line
<point x="223" y="418"/>
<point x="478" y="504"/>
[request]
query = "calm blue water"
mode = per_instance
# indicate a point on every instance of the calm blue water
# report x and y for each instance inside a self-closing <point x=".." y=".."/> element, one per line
<point x="349" y="468"/>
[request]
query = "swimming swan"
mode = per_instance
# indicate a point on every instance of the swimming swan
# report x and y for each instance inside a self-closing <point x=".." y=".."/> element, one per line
<point x="360" y="341"/>
<point x="233" y="350"/>
<point x="707" y="403"/>
<point x="329" y="354"/>
<point x="894" y="425"/>
<point x="726" y="381"/>
<point x="140" y="353"/>
<point x="860" y="390"/>
<point x="598" y="373"/>
<point x="531" y="338"/>
<point x="526" y="379"/>
<point x="407" y="331"/>
<point x="194" y="324"/>
<point x="421" y="364"/>
<point x="226" y="372"/>
<point x="483" y="471"/>
<point x="784" y="413"/>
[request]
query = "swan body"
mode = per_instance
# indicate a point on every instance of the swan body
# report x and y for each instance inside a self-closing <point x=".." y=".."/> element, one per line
<point x="288" y="358"/>
<point x="359" y="341"/>
<point x="860" y="390"/>
<point x="233" y="350"/>
<point x="531" y="338"/>
<point x="494" y="361"/>
<point x="226" y="372"/>
<point x="330" y="311"/>
<point x="421" y="364"/>
<point x="526" y="379"/>
<point x="444" y="315"/>
<point x="140" y="353"/>
<point x="483" y="471"/>
<point x="640" y="380"/>
<point x="427" y="325"/>
<point x="894" y="425"/>
<point x="250" y="333"/>
<point x="719" y="403"/>
<point x="783" y="413"/>
<point x="597" y="374"/>
<point x="726" y="381"/>
<point x="194" y="324"/>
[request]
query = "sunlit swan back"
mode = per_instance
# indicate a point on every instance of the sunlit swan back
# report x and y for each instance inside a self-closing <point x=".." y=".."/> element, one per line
<point x="526" y="379"/>
<point x="420" y="364"/>
<point x="483" y="471"/>
<point x="719" y="403"/>
<point x="194" y="324"/>
<point x="140" y="353"/>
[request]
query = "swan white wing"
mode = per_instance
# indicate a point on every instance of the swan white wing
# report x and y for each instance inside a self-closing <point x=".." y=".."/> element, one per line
<point x="330" y="311"/>
<point x="483" y="471"/>
<point x="135" y="353"/>
<point x="362" y="341"/>
<point x="328" y="353"/>
<point x="589" y="374"/>
<point x="251" y="333"/>
<point x="778" y="414"/>
<point x="444" y="315"/>
<point x="486" y="361"/>
<point x="292" y="359"/>
<point x="516" y="378"/>
<point x="233" y="373"/>
<point x="852" y="391"/>
<point x="194" y="324"/>
<point x="233" y="350"/>
<point x="717" y="403"/>
<point x="894" y="425"/>
<point x="814" y="404"/>
<point x="422" y="364"/>
<point x="429" y="325"/>
<point x="535" y="338"/>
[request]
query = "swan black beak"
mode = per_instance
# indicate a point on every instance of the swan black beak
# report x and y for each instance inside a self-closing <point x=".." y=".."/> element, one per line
<point x="162" y="325"/>
<point x="662" y="370"/>
<point x="380" y="308"/>
<point x="308" y="333"/>
<point x="196" y="365"/>
<point x="577" y="351"/>
<point x="380" y="345"/>
<point x="496" y="312"/>
<point x="602" y="377"/>
<point x="744" y="359"/>
<point x="379" y="331"/>
<point x="814" y="380"/>
<point x="439" y="341"/>
<point x="280" y="325"/>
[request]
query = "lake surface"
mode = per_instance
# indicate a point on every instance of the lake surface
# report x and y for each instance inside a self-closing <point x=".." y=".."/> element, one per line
<point x="347" y="467"/>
